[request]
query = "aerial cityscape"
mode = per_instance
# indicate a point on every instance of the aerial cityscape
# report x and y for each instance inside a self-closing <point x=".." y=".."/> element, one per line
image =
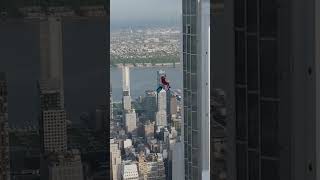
<point x="146" y="125"/>
<point x="146" y="133"/>
<point x="174" y="90"/>
<point x="145" y="45"/>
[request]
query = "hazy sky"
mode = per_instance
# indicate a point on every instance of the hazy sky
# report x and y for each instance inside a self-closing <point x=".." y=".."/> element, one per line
<point x="140" y="11"/>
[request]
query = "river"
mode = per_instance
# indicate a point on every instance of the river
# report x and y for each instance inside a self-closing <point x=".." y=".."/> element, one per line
<point x="142" y="79"/>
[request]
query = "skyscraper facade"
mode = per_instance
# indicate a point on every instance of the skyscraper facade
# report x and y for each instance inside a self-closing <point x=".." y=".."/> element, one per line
<point x="4" y="135"/>
<point x="161" y="115"/>
<point x="268" y="54"/>
<point x="126" y="98"/>
<point x="115" y="155"/>
<point x="196" y="89"/>
<point x="66" y="166"/>
<point x="150" y="104"/>
<point x="130" y="117"/>
<point x="161" y="73"/>
<point x="53" y="127"/>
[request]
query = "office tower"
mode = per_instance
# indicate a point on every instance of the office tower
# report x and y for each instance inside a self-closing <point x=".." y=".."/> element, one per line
<point x="161" y="73"/>
<point x="130" y="118"/>
<point x="173" y="105"/>
<point x="100" y="118"/>
<point x="196" y="73"/>
<point x="129" y="171"/>
<point x="270" y="52"/>
<point x="162" y="100"/>
<point x="177" y="161"/>
<point x="218" y="135"/>
<point x="115" y="156"/>
<point x="126" y="79"/>
<point x="148" y="130"/>
<point x="66" y="166"/>
<point x="161" y="115"/>
<point x="53" y="126"/>
<point x="126" y="88"/>
<point x="4" y="135"/>
<point x="176" y="122"/>
<point x="51" y="50"/>
<point x="142" y="166"/>
<point x="150" y="104"/>
<point x="151" y="167"/>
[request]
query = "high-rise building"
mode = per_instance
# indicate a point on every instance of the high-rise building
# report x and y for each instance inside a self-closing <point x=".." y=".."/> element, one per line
<point x="148" y="129"/>
<point x="173" y="105"/>
<point x="126" y="98"/>
<point x="218" y="135"/>
<point x="268" y="54"/>
<point x="100" y="118"/>
<point x="161" y="115"/>
<point x="4" y="135"/>
<point x="150" y="104"/>
<point x="177" y="161"/>
<point x="130" y="118"/>
<point x="151" y="167"/>
<point x="115" y="156"/>
<point x="196" y="55"/>
<point x="162" y="100"/>
<point x="66" y="166"/>
<point x="161" y="73"/>
<point x="53" y="126"/>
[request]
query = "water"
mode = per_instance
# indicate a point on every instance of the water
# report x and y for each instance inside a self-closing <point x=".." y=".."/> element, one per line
<point x="142" y="79"/>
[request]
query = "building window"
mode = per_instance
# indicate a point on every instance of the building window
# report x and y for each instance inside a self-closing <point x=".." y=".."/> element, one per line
<point x="241" y="113"/>
<point x="252" y="63"/>
<point x="241" y="162"/>
<point x="239" y="13"/>
<point x="269" y="128"/>
<point x="269" y="68"/>
<point x="253" y="120"/>
<point x="270" y="169"/>
<point x="268" y="18"/>
<point x="240" y="57"/>
<point x="252" y="15"/>
<point x="254" y="165"/>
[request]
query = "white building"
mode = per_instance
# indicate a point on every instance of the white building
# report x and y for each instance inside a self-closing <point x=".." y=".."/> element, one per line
<point x="130" y="171"/>
<point x="115" y="154"/>
<point x="162" y="100"/>
<point x="126" y="79"/>
<point x="131" y="121"/>
<point x="126" y="98"/>
<point x="161" y="114"/>
<point x="127" y="143"/>
<point x="161" y="119"/>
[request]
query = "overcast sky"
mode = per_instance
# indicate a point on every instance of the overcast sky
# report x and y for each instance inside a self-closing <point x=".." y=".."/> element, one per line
<point x="140" y="11"/>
